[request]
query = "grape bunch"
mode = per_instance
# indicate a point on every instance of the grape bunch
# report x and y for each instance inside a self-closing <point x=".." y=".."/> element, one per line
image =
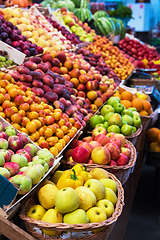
<point x="4" y="60"/>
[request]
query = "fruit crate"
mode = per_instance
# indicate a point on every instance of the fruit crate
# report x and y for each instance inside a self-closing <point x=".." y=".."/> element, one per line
<point x="18" y="198"/>
<point x="74" y="231"/>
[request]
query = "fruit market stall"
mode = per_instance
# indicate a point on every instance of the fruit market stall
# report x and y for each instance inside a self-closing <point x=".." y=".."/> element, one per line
<point x="69" y="99"/>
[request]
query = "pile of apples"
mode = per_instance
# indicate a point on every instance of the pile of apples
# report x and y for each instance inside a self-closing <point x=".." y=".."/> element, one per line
<point x="114" y="117"/>
<point x="82" y="30"/>
<point x="48" y="127"/>
<point x="112" y="55"/>
<point x="100" y="148"/>
<point x="37" y="30"/>
<point x="138" y="50"/>
<point x="92" y="201"/>
<point x="20" y="160"/>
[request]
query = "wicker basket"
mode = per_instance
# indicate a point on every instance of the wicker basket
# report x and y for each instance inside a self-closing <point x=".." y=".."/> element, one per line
<point x="121" y="172"/>
<point x="133" y="137"/>
<point x="146" y="120"/>
<point x="103" y="229"/>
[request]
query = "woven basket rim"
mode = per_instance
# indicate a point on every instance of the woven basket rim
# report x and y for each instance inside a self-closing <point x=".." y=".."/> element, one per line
<point x="130" y="164"/>
<point x="137" y="133"/>
<point x="147" y="117"/>
<point x="73" y="227"/>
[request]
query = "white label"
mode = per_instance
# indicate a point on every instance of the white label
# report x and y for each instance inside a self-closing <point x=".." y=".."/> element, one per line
<point x="15" y="55"/>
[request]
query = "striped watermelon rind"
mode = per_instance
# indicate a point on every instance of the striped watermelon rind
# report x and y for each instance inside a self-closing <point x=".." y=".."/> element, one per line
<point x="84" y="4"/>
<point x="117" y="26"/>
<point x="100" y="14"/>
<point x="104" y="26"/>
<point x="83" y="14"/>
<point x="122" y="29"/>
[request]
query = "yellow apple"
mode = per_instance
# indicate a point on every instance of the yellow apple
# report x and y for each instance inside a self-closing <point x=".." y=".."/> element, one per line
<point x="110" y="195"/>
<point x="109" y="183"/>
<point x="46" y="195"/>
<point x="52" y="216"/>
<point x="87" y="198"/>
<point x="96" y="214"/>
<point x="96" y="187"/>
<point x="36" y="211"/>
<point x="107" y="206"/>
<point x="99" y="173"/>
<point x="78" y="216"/>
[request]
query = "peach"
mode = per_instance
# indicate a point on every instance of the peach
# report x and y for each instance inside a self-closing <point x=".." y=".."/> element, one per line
<point x="98" y="102"/>
<point x="83" y="78"/>
<point x="92" y="95"/>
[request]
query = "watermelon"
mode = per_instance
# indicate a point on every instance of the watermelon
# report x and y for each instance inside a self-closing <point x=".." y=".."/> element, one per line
<point x="77" y="3"/>
<point x="117" y="26"/>
<point x="83" y="14"/>
<point x="99" y="14"/>
<point x="104" y="26"/>
<point x="122" y="29"/>
<point x="84" y="4"/>
<point x="113" y="25"/>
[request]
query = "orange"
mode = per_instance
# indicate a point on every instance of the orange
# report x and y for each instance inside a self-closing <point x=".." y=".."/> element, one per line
<point x="31" y="126"/>
<point x="126" y="103"/>
<point x="158" y="137"/>
<point x="143" y="113"/>
<point x="126" y="95"/>
<point x="146" y="105"/>
<point x="152" y="134"/>
<point x="138" y="104"/>
<point x="117" y="95"/>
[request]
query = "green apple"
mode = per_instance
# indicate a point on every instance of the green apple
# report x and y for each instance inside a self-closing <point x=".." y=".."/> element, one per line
<point x="96" y="214"/>
<point x="86" y="197"/>
<point x="34" y="173"/>
<point x="94" y="120"/>
<point x="41" y="168"/>
<point x="110" y="195"/>
<point x="132" y="109"/>
<point x="136" y="121"/>
<point x="52" y="216"/>
<point x="36" y="212"/>
<point x="10" y="131"/>
<point x="128" y="119"/>
<point x="127" y="112"/>
<point x="2" y="161"/>
<point x="107" y="115"/>
<point x="102" y="118"/>
<point x="37" y="160"/>
<point x="22" y="169"/>
<point x="107" y="206"/>
<point x="112" y="100"/>
<point x="78" y="216"/>
<point x="66" y="200"/>
<point x="136" y="114"/>
<point x="118" y="107"/>
<point x="126" y="130"/>
<point x="96" y="187"/>
<point x="115" y="119"/>
<point x="3" y="144"/>
<point x="106" y="125"/>
<point x="110" y="183"/>
<point x="20" y="159"/>
<point x="134" y="129"/>
<point x="113" y="128"/>
<point x="106" y="108"/>
<point x="22" y="182"/>
<point x="45" y="155"/>
<point x="101" y="125"/>
<point x="4" y="172"/>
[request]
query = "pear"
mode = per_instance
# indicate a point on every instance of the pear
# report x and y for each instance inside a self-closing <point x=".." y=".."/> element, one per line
<point x="78" y="216"/>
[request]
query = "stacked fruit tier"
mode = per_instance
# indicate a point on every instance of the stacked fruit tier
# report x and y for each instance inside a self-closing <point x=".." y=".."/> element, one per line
<point x="141" y="52"/>
<point x="90" y="205"/>
<point x="82" y="30"/>
<point x="37" y="30"/>
<point x="5" y="62"/>
<point x="12" y="36"/>
<point x="112" y="56"/>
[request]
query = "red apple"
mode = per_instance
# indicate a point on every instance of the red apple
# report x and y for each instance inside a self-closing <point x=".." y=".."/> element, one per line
<point x="113" y="149"/>
<point x="25" y="153"/>
<point x="12" y="167"/>
<point x="122" y="160"/>
<point x="15" y="143"/>
<point x="95" y="144"/>
<point x="86" y="145"/>
<point x="102" y="139"/>
<point x="126" y="151"/>
<point x="98" y="130"/>
<point x="116" y="141"/>
<point x="100" y="155"/>
<point x="87" y="139"/>
<point x="80" y="154"/>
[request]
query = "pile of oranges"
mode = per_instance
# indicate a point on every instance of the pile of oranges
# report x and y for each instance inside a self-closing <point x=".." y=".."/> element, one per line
<point x="130" y="100"/>
<point x="48" y="127"/>
<point x="153" y="136"/>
